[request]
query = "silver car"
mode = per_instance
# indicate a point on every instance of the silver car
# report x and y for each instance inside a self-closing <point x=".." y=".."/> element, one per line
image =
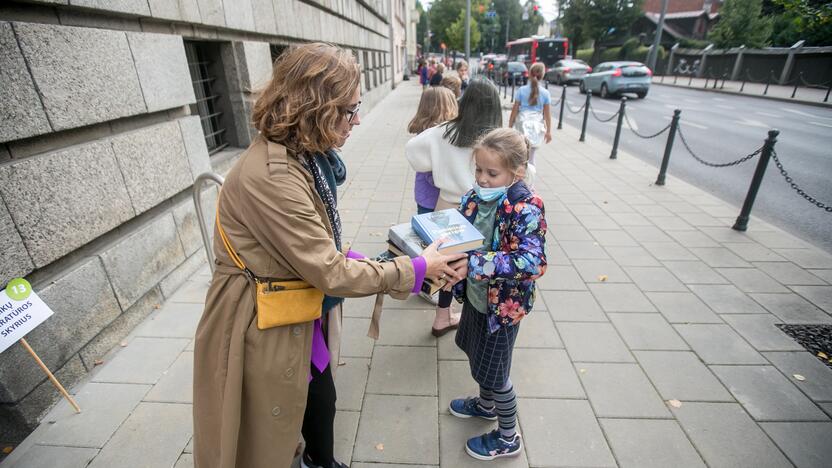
<point x="567" y="71"/>
<point x="615" y="78"/>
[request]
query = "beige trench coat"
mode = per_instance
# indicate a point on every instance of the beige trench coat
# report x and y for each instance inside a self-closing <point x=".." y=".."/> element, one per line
<point x="250" y="385"/>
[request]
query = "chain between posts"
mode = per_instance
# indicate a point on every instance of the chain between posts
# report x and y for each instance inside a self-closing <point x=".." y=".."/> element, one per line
<point x="578" y="111"/>
<point x="710" y="164"/>
<point x="646" y="137"/>
<point x="603" y="120"/>
<point x="795" y="187"/>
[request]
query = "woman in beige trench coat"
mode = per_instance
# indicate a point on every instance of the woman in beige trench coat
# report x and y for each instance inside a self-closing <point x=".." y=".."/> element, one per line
<point x="277" y="211"/>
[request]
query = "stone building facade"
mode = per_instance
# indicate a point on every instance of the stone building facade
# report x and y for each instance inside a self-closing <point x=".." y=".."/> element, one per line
<point x="109" y="109"/>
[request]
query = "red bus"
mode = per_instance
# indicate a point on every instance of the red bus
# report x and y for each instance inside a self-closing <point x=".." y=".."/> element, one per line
<point x="533" y="49"/>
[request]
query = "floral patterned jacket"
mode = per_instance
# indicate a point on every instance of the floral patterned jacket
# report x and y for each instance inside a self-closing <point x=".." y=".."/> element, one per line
<point x="514" y="260"/>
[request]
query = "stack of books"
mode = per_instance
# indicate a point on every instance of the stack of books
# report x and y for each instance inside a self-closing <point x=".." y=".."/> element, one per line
<point x="410" y="239"/>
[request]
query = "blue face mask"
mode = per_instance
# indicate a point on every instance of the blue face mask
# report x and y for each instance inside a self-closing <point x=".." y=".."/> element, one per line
<point x="488" y="194"/>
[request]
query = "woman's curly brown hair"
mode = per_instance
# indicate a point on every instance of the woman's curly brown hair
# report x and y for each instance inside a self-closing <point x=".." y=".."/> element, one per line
<point x="311" y="88"/>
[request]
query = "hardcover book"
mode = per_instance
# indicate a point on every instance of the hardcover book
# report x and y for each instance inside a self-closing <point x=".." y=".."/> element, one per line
<point x="405" y="238"/>
<point x="450" y="225"/>
<point x="428" y="287"/>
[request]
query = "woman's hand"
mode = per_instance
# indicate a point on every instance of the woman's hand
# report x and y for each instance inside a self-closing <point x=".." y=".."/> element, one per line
<point x="438" y="264"/>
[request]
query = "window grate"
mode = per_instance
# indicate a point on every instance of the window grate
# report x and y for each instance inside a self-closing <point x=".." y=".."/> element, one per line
<point x="206" y="106"/>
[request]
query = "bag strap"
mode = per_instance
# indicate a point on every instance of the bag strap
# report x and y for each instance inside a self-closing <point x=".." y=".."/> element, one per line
<point x="231" y="253"/>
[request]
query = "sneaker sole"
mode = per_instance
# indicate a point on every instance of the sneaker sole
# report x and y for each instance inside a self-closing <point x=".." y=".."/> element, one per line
<point x="467" y="416"/>
<point x="493" y="457"/>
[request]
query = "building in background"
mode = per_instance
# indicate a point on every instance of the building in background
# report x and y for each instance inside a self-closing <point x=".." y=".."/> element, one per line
<point x="108" y="112"/>
<point x="685" y="19"/>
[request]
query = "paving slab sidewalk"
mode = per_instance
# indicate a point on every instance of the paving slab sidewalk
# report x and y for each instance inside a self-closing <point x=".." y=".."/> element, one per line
<point x="646" y="346"/>
<point x="815" y="96"/>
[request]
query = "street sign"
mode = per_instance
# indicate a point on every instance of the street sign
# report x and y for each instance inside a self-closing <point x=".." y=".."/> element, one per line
<point x="491" y="14"/>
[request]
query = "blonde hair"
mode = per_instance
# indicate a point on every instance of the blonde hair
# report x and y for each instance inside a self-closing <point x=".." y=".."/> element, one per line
<point x="311" y="88"/>
<point x="440" y="67"/>
<point x="460" y="64"/>
<point x="436" y="106"/>
<point x="509" y="144"/>
<point x="453" y="83"/>
<point x="535" y="75"/>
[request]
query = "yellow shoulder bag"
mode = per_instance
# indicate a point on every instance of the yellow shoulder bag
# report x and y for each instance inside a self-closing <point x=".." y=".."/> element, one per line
<point x="278" y="303"/>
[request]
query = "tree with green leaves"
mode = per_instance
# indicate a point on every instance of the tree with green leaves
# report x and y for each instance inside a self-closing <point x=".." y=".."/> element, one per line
<point x="794" y="20"/>
<point x="455" y="33"/>
<point x="509" y="18"/>
<point x="599" y="20"/>
<point x="741" y="23"/>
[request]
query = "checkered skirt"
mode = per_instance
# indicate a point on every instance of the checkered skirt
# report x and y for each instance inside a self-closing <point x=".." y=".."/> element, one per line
<point x="488" y="354"/>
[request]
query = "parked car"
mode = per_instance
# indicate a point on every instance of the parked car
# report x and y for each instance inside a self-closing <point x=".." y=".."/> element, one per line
<point x="615" y="78"/>
<point x="514" y="73"/>
<point x="568" y="71"/>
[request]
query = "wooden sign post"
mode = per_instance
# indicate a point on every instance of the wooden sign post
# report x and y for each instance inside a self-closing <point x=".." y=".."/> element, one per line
<point x="21" y="310"/>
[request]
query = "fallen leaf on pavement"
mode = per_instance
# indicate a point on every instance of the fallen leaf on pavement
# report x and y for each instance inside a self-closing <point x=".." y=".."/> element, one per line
<point x="674" y="403"/>
<point x="823" y="355"/>
<point x="582" y="371"/>
<point x="157" y="306"/>
<point x="602" y="278"/>
<point x="123" y="344"/>
<point x="8" y="450"/>
<point x="799" y="377"/>
<point x="380" y="447"/>
<point x="98" y="362"/>
<point x="342" y="363"/>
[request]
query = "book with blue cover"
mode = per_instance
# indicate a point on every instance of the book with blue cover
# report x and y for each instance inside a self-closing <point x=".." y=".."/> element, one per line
<point x="450" y="225"/>
<point x="405" y="238"/>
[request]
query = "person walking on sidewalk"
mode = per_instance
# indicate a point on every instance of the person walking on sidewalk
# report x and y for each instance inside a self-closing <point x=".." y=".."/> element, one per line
<point x="531" y="114"/>
<point x="258" y="387"/>
<point x="462" y="72"/>
<point x="436" y="106"/>
<point x="436" y="78"/>
<point x="499" y="288"/>
<point x="445" y="150"/>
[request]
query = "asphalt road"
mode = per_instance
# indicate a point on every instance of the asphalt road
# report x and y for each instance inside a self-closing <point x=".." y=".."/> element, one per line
<point x="721" y="128"/>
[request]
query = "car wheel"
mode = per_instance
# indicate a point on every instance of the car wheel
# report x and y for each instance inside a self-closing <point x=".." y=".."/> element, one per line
<point x="642" y="95"/>
<point x="605" y="93"/>
<point x="582" y="88"/>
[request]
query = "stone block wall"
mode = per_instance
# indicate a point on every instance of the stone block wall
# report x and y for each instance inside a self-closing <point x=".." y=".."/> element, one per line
<point x="101" y="139"/>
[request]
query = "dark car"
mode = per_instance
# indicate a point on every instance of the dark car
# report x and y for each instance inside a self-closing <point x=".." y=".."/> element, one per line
<point x="514" y="73"/>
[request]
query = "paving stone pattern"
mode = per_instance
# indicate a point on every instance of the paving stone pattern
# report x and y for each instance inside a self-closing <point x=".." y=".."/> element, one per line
<point x="653" y="341"/>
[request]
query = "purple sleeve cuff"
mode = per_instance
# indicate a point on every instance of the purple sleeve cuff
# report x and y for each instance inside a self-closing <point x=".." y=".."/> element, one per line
<point x="352" y="254"/>
<point x="420" y="267"/>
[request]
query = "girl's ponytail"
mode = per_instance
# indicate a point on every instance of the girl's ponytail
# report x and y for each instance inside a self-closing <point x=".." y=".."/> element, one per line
<point x="535" y="75"/>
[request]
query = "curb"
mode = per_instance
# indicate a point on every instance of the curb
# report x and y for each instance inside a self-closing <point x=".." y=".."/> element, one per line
<point x="826" y="105"/>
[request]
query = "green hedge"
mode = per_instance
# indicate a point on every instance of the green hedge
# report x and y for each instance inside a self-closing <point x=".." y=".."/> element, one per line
<point x="630" y="50"/>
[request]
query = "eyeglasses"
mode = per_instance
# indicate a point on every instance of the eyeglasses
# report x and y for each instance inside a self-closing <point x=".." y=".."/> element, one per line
<point x="352" y="113"/>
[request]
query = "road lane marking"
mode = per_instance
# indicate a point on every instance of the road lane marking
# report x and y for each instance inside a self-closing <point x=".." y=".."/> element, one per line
<point x="766" y="114"/>
<point x="726" y="107"/>
<point x="752" y="123"/>
<point x="695" y="125"/>
<point x="806" y="114"/>
<point x="821" y="124"/>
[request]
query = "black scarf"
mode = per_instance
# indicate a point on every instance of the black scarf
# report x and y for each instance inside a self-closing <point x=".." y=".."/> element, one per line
<point x="328" y="171"/>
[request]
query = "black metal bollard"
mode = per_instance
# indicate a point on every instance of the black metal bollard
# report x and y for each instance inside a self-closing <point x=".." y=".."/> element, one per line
<point x="742" y="86"/>
<point x="724" y="75"/>
<point x="621" y="110"/>
<point x="796" y="83"/>
<point x="768" y="82"/>
<point x="825" y="99"/>
<point x="691" y="79"/>
<point x="707" y="77"/>
<point x="586" y="115"/>
<point x="505" y="88"/>
<point x="562" y="104"/>
<point x="668" y="147"/>
<point x="768" y="146"/>
<point x="675" y="78"/>
<point x="513" y="82"/>
<point x="716" y="80"/>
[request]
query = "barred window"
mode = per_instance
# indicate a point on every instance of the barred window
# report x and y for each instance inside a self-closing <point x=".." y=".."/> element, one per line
<point x="200" y="63"/>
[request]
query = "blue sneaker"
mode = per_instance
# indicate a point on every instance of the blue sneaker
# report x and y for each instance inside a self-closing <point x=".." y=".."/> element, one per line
<point x="491" y="445"/>
<point x="469" y="408"/>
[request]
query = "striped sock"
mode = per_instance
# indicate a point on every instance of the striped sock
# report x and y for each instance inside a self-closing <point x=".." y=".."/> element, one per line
<point x="486" y="401"/>
<point x="506" y="402"/>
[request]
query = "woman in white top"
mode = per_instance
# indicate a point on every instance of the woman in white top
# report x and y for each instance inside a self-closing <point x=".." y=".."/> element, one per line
<point x="447" y="151"/>
<point x="531" y="115"/>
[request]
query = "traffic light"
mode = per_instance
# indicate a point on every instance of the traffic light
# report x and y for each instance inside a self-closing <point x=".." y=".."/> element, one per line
<point x="481" y="8"/>
<point x="535" y="9"/>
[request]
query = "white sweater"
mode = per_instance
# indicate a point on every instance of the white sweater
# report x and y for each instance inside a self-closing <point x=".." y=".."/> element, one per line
<point x="452" y="166"/>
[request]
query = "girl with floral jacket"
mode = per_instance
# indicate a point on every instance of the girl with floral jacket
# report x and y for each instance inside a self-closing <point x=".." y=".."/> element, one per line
<point x="499" y="286"/>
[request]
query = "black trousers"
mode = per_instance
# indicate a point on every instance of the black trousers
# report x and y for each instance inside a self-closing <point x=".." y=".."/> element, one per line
<point x="319" y="418"/>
